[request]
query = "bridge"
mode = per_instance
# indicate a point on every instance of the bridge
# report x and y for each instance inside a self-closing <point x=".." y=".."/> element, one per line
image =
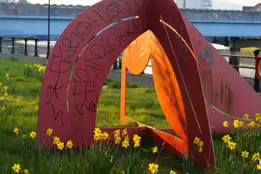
<point x="31" y="20"/>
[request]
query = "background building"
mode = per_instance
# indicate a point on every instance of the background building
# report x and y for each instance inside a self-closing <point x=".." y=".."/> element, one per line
<point x="257" y="7"/>
<point x="7" y="1"/>
<point x="195" y="4"/>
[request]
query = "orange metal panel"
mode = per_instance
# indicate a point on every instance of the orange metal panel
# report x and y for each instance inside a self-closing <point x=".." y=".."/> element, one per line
<point x="137" y="54"/>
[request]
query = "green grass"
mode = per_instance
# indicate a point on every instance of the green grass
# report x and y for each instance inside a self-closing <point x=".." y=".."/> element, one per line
<point x="22" y="110"/>
<point x="142" y="105"/>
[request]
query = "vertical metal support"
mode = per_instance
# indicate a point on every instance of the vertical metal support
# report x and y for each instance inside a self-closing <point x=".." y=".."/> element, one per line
<point x="234" y="61"/>
<point x="1" y="38"/>
<point x="120" y="62"/>
<point x="257" y="85"/>
<point x="115" y="66"/>
<point x="36" y="47"/>
<point x="13" y="45"/>
<point x="48" y="42"/>
<point x="123" y="118"/>
<point x="25" y="46"/>
<point x="215" y="40"/>
<point x="226" y="41"/>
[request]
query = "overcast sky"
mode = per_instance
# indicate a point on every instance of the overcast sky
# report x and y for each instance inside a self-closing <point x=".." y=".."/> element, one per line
<point x="90" y="2"/>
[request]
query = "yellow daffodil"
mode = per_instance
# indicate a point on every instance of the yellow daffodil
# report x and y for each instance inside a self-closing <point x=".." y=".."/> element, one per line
<point x="104" y="136"/>
<point x="16" y="168"/>
<point x="1" y="84"/>
<point x="153" y="168"/>
<point x="196" y="140"/>
<point x="241" y="123"/>
<point x="97" y="134"/>
<point x="117" y="133"/>
<point x="236" y="124"/>
<point x="117" y="140"/>
<point x="256" y="157"/>
<point x="97" y="131"/>
<point x="225" y="124"/>
<point x="200" y="149"/>
<point x="136" y="138"/>
<point x="26" y="171"/>
<point x="258" y="167"/>
<point x="5" y="94"/>
<point x="252" y="124"/>
<point x="172" y="172"/>
<point x="97" y="137"/>
<point x="231" y="145"/>
<point x="49" y="132"/>
<point x="33" y="134"/>
<point x="16" y="131"/>
<point x="136" y="144"/>
<point x="155" y="149"/>
<point x="258" y="117"/>
<point x="200" y="143"/>
<point x="69" y="144"/>
<point x="124" y="133"/>
<point x="226" y="138"/>
<point x="246" y="117"/>
<point x="60" y="146"/>
<point x="245" y="154"/>
<point x="125" y="143"/>
<point x="56" y="140"/>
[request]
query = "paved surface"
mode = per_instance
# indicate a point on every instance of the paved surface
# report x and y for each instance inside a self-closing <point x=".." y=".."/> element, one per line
<point x="145" y="80"/>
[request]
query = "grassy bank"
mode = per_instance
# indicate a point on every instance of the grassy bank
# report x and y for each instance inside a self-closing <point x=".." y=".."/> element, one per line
<point x="20" y="108"/>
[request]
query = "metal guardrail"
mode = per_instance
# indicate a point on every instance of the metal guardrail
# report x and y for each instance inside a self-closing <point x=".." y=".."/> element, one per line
<point x="10" y="46"/>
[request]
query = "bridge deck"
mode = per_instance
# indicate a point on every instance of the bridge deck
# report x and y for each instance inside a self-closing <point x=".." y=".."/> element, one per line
<point x="14" y="9"/>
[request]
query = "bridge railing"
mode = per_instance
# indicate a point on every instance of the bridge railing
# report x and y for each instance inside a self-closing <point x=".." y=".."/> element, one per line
<point x="244" y="65"/>
<point x="16" y="9"/>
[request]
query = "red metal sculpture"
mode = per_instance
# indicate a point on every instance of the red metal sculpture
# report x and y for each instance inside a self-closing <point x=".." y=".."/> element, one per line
<point x="206" y="87"/>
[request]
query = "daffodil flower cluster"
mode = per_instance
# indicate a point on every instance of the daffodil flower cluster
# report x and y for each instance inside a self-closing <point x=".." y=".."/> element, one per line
<point x="230" y="144"/>
<point x="99" y="135"/>
<point x="37" y="66"/>
<point x="57" y="141"/>
<point x="199" y="143"/>
<point x="4" y="90"/>
<point x="250" y="130"/>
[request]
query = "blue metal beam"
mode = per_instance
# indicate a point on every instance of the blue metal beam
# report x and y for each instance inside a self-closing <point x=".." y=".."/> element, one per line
<point x="37" y="25"/>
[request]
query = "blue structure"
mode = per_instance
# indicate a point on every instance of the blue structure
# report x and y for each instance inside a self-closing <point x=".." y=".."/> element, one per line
<point x="31" y="20"/>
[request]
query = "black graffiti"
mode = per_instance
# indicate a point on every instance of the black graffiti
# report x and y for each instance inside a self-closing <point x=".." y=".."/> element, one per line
<point x="63" y="63"/>
<point x="91" y="106"/>
<point x="56" y="115"/>
<point x="111" y="11"/>
<point x="84" y="76"/>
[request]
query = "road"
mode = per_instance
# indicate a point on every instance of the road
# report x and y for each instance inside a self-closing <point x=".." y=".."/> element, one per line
<point x="145" y="80"/>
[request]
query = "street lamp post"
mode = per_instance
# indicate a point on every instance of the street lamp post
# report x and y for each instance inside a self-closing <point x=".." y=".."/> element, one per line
<point x="48" y="42"/>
